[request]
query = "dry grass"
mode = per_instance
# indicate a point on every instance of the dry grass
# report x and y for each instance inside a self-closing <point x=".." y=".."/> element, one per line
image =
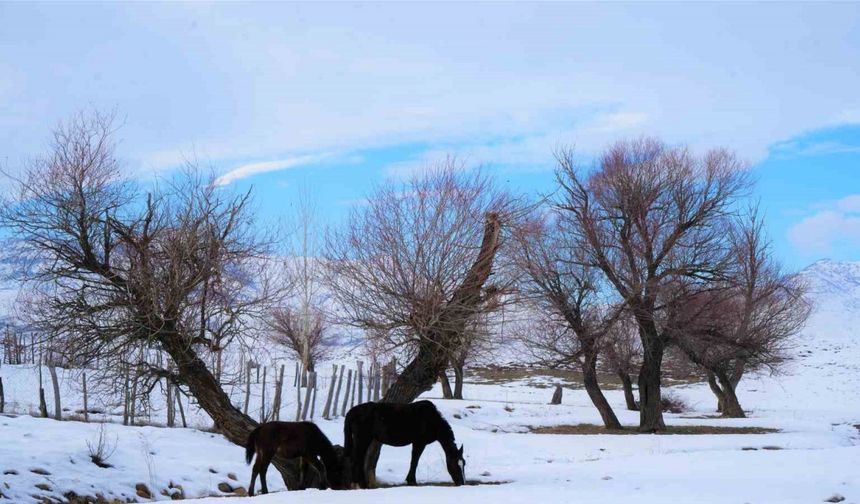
<point x="589" y="429"/>
<point x="547" y="377"/>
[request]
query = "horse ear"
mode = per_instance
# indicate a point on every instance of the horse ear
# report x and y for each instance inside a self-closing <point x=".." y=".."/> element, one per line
<point x="460" y="451"/>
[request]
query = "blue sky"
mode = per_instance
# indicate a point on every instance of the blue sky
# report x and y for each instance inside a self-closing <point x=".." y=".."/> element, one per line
<point x="339" y="97"/>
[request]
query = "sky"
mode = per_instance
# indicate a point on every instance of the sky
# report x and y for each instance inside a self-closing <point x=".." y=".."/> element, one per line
<point x="334" y="99"/>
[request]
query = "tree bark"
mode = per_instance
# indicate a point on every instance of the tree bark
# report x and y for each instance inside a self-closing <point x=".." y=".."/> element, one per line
<point x="718" y="392"/>
<point x="731" y="406"/>
<point x="650" y="404"/>
<point x="592" y="387"/>
<point x="556" y="395"/>
<point x="447" y="393"/>
<point x="627" y="385"/>
<point x="458" y="381"/>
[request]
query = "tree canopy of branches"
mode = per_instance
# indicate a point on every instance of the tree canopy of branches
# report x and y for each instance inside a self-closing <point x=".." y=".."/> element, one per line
<point x="564" y="292"/>
<point x="646" y="216"/>
<point x="746" y="321"/>
<point x="411" y="268"/>
<point x="120" y="271"/>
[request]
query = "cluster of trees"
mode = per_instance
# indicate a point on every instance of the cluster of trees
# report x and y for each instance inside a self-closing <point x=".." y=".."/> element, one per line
<point x="649" y="248"/>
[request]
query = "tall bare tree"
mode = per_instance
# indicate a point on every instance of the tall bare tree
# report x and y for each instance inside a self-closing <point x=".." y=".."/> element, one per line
<point x="647" y="215"/>
<point x="566" y="291"/>
<point x="122" y="273"/>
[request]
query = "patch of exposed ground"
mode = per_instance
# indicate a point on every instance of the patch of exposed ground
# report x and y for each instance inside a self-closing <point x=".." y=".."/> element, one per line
<point x="587" y="429"/>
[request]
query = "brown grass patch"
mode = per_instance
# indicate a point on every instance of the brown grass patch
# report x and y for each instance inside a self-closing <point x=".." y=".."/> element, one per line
<point x="537" y="377"/>
<point x="589" y="429"/>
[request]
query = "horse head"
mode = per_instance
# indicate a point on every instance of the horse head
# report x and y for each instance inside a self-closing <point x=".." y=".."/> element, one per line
<point x="456" y="465"/>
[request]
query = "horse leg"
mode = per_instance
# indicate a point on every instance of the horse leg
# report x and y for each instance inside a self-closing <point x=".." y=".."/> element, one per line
<point x="264" y="467"/>
<point x="253" y="480"/>
<point x="417" y="450"/>
<point x="359" y="474"/>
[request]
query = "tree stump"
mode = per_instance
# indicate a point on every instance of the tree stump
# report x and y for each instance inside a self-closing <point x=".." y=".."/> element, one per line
<point x="556" y="395"/>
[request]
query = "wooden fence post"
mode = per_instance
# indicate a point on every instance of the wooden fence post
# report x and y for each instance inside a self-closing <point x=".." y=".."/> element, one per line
<point x="55" y="385"/>
<point x="359" y="365"/>
<point x="247" y="387"/>
<point x="298" y="399"/>
<point x="327" y="408"/>
<point x="314" y="397"/>
<point x="86" y="400"/>
<point x="347" y="393"/>
<point x="307" y="405"/>
<point x="263" y="396"/>
<point x="181" y="409"/>
<point x="337" y="393"/>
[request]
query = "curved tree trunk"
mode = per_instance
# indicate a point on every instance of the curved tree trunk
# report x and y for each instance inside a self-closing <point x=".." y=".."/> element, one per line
<point x="433" y="357"/>
<point x="627" y="385"/>
<point x="731" y="406"/>
<point x="592" y="386"/>
<point x="718" y="392"/>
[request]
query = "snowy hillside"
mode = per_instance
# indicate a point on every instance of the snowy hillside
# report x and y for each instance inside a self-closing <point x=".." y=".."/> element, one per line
<point x="811" y="456"/>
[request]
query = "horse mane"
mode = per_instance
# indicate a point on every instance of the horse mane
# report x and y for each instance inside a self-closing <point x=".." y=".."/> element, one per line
<point x="445" y="432"/>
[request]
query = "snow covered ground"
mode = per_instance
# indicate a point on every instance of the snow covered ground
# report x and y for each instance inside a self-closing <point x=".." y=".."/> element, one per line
<point x="815" y="455"/>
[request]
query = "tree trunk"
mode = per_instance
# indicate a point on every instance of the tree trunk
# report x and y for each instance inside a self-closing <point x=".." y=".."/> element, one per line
<point x="627" y="385"/>
<point x="718" y="392"/>
<point x="458" y="380"/>
<point x="731" y="406"/>
<point x="231" y="422"/>
<point x="86" y="399"/>
<point x="2" y="396"/>
<point x="446" y="386"/>
<point x="650" y="404"/>
<point x="592" y="387"/>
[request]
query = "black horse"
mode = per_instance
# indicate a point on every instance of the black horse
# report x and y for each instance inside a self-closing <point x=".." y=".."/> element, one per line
<point x="418" y="424"/>
<point x="302" y="440"/>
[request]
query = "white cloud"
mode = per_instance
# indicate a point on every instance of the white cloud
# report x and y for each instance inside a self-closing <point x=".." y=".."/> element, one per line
<point x="250" y="169"/>
<point x="837" y="224"/>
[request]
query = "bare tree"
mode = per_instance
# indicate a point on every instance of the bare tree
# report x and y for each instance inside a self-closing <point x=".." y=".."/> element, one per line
<point x="565" y="293"/>
<point x="412" y="265"/>
<point x="745" y="322"/>
<point x="122" y="274"/>
<point x="304" y="334"/>
<point x="647" y="215"/>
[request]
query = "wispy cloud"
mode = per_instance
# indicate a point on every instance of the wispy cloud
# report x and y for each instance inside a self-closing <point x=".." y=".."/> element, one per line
<point x="837" y="223"/>
<point x="250" y="169"/>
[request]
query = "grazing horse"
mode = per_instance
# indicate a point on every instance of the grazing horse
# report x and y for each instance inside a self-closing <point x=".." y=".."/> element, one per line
<point x="290" y="440"/>
<point x="418" y="424"/>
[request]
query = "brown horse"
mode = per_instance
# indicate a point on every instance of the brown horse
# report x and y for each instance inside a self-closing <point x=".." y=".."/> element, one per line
<point x="303" y="440"/>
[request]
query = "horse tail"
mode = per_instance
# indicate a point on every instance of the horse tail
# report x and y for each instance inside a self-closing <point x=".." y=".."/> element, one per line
<point x="251" y="445"/>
